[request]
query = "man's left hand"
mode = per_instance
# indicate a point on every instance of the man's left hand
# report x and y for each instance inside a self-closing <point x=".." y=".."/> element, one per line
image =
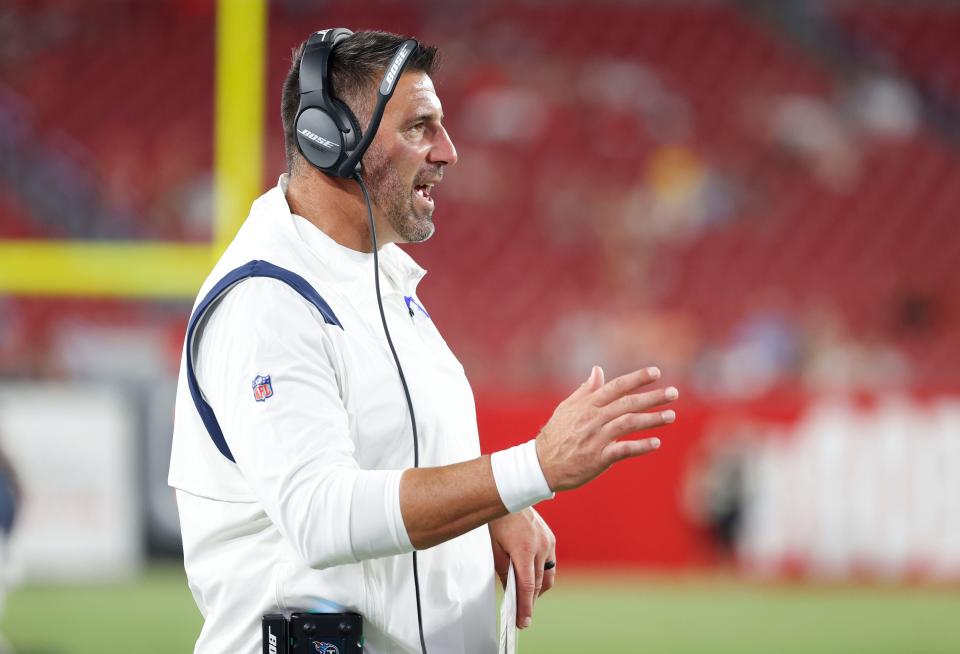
<point x="525" y="539"/>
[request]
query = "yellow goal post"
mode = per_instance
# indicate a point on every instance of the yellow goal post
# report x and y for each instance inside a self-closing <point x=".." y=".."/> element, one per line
<point x="169" y="270"/>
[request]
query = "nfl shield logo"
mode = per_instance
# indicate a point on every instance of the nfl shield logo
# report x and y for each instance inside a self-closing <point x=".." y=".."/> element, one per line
<point x="262" y="388"/>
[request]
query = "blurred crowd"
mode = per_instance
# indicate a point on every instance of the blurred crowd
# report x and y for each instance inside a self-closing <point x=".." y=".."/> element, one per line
<point x="752" y="199"/>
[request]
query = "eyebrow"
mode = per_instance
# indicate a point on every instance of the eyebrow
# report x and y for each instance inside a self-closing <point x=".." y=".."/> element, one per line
<point x="426" y="116"/>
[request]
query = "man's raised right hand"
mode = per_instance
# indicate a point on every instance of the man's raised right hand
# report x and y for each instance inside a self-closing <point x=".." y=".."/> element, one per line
<point x="580" y="440"/>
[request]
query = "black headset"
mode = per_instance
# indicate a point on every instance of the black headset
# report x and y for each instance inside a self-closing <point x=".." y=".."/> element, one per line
<point x="329" y="138"/>
<point x="327" y="132"/>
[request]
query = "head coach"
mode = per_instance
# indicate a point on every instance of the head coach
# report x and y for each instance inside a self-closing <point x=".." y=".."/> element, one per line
<point x="325" y="454"/>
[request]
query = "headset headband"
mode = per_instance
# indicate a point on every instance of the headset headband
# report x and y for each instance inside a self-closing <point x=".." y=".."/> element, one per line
<point x="316" y="58"/>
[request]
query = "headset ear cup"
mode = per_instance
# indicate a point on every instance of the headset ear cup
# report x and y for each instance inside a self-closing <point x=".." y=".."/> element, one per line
<point x="350" y="140"/>
<point x="319" y="139"/>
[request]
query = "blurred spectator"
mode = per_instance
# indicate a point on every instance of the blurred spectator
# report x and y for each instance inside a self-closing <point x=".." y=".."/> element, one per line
<point x="762" y="353"/>
<point x="635" y="89"/>
<point x="619" y="340"/>
<point x="508" y="114"/>
<point x="916" y="314"/>
<point x="10" y="499"/>
<point x="10" y="496"/>
<point x="716" y="491"/>
<point x="810" y="130"/>
<point x="10" y="336"/>
<point x="883" y="107"/>
<point x="678" y="196"/>
<point x="834" y="359"/>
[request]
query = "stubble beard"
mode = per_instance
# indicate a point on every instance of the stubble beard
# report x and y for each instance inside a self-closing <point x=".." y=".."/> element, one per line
<point x="394" y="198"/>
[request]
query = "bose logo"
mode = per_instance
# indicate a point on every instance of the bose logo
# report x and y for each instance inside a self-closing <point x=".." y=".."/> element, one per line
<point x="394" y="69"/>
<point x="272" y="641"/>
<point x="319" y="140"/>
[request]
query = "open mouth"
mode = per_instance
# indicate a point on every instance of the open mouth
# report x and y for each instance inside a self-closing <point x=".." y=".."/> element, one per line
<point x="423" y="192"/>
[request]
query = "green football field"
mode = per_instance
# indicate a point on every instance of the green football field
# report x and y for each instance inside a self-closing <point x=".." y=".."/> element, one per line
<point x="585" y="613"/>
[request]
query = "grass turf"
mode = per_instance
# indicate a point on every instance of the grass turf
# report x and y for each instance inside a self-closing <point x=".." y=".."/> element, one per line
<point x="611" y="614"/>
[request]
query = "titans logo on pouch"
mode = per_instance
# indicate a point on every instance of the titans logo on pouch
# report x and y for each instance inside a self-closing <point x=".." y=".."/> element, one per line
<point x="325" y="648"/>
<point x="262" y="388"/>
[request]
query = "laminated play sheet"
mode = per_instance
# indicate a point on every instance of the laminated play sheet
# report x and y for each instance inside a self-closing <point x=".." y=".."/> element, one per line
<point x="508" y="615"/>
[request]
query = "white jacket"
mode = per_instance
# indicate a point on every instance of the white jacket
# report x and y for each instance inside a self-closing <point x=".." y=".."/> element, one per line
<point x="308" y="516"/>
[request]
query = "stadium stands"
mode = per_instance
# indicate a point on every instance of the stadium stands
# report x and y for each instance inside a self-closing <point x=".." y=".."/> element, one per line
<point x="636" y="171"/>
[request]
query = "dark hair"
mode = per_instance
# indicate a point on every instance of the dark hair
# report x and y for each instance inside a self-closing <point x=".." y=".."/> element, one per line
<point x="356" y="66"/>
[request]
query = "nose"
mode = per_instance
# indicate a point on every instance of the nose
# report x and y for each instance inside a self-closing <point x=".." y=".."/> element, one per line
<point x="443" y="151"/>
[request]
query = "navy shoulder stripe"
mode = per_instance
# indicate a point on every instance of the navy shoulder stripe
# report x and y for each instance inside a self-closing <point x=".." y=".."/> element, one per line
<point x="251" y="269"/>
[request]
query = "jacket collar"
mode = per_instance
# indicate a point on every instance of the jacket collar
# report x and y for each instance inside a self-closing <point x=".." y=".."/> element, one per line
<point x="332" y="260"/>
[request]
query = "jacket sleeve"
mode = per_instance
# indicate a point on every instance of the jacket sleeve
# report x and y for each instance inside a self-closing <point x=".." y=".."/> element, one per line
<point x="294" y="447"/>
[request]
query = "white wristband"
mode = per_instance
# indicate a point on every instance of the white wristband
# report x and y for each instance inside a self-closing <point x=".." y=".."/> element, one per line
<point x="519" y="477"/>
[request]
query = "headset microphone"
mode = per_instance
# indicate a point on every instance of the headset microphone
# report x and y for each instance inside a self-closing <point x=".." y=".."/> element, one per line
<point x="389" y="83"/>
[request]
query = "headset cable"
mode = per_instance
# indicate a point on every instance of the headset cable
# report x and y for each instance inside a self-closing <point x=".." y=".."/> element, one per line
<point x="403" y="382"/>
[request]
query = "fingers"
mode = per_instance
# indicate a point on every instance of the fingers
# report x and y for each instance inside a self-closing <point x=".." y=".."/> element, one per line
<point x="532" y="582"/>
<point x="620" y="450"/>
<point x="527" y="588"/>
<point x="540" y="573"/>
<point x="594" y="381"/>
<point x="634" y="422"/>
<point x="549" y="580"/>
<point x="624" y="384"/>
<point x="638" y="402"/>
<point x="501" y="574"/>
<point x="501" y="562"/>
<point x="549" y="576"/>
<point x="526" y="541"/>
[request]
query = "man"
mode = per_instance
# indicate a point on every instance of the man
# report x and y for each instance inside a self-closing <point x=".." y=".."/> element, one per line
<point x="10" y="498"/>
<point x="293" y="452"/>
